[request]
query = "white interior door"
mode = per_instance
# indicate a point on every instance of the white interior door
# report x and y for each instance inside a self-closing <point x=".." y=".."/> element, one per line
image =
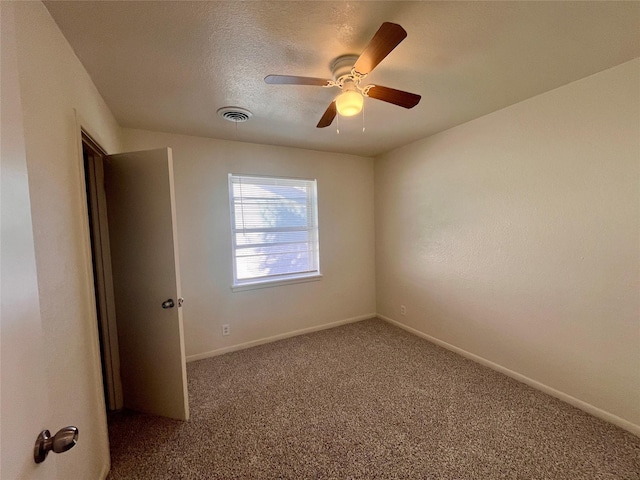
<point x="24" y="388"/>
<point x="144" y="255"/>
<point x="25" y="400"/>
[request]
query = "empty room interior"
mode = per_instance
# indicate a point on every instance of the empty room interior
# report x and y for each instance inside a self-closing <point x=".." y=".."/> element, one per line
<point x="320" y="240"/>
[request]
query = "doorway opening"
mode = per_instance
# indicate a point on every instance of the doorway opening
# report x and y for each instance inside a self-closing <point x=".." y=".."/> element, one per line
<point x="93" y="156"/>
<point x="136" y="275"/>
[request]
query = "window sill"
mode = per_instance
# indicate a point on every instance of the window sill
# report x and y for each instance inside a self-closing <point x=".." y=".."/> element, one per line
<point x="275" y="283"/>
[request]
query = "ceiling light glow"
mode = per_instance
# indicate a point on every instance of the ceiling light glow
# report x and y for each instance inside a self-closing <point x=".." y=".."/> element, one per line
<point x="349" y="103"/>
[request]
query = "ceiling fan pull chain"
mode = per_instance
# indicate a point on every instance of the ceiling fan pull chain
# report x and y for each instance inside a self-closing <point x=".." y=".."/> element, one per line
<point x="338" y="124"/>
<point x="362" y="117"/>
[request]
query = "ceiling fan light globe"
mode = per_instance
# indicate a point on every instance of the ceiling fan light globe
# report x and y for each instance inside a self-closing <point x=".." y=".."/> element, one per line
<point x="349" y="103"/>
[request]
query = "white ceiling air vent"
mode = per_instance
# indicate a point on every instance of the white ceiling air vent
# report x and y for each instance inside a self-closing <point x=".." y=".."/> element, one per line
<point x="235" y="114"/>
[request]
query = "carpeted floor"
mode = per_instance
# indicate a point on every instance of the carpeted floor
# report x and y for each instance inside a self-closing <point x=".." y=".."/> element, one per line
<point x="363" y="401"/>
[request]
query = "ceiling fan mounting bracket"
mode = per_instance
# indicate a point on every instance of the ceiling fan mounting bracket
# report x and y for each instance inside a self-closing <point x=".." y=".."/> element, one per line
<point x="345" y="76"/>
<point x="365" y="90"/>
<point x="354" y="78"/>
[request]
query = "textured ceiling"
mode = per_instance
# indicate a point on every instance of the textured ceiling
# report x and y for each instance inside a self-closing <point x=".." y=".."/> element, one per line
<point x="168" y="66"/>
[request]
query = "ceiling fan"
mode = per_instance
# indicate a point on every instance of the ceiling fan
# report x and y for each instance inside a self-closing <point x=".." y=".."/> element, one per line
<point x="348" y="73"/>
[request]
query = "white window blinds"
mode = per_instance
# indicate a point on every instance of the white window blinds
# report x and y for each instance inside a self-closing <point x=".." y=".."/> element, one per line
<point x="274" y="223"/>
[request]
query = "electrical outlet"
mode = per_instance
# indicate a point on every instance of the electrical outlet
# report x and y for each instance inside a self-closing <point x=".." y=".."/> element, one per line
<point x="403" y="310"/>
<point x="226" y="330"/>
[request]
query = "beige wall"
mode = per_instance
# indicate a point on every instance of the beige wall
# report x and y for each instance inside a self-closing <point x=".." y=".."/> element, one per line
<point x="515" y="238"/>
<point x="345" y="210"/>
<point x="53" y="83"/>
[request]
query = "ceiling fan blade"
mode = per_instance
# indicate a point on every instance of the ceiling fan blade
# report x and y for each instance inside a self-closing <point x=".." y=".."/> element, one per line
<point x="391" y="95"/>
<point x="329" y="115"/>
<point x="293" y="80"/>
<point x="388" y="37"/>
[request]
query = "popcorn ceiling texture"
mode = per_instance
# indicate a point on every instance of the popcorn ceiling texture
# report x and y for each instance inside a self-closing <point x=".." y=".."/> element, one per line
<point x="366" y="400"/>
<point x="168" y="66"/>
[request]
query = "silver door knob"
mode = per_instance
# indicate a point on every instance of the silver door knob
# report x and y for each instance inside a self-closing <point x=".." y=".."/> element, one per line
<point x="168" y="303"/>
<point x="64" y="440"/>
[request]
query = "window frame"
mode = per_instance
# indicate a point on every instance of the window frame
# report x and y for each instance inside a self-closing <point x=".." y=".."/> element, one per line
<point x="281" y="279"/>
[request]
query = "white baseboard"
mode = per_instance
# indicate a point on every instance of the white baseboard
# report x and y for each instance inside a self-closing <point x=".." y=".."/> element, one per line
<point x="587" y="407"/>
<point x="282" y="336"/>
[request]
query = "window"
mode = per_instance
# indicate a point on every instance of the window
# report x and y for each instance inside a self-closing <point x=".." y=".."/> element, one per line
<point x="274" y="224"/>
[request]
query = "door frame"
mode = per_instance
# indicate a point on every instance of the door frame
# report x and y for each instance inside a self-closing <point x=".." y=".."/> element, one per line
<point x="90" y="283"/>
<point x="103" y="281"/>
<point x="82" y="131"/>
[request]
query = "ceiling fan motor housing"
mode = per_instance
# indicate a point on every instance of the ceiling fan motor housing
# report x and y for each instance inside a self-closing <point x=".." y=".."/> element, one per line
<point x="342" y="65"/>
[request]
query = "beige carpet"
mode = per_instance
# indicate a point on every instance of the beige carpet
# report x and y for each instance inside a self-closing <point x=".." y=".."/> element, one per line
<point x="365" y="401"/>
